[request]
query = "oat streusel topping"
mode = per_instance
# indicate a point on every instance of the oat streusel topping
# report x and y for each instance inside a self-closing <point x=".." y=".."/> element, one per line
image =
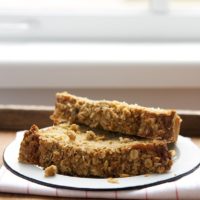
<point x="90" y="152"/>
<point x="117" y="117"/>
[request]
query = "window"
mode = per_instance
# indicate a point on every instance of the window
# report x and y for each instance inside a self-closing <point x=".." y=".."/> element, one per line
<point x="100" y="20"/>
<point x="185" y="5"/>
<point x="28" y="65"/>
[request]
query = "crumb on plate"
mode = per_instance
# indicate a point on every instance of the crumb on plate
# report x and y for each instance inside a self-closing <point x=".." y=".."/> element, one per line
<point x="112" y="180"/>
<point x="50" y="171"/>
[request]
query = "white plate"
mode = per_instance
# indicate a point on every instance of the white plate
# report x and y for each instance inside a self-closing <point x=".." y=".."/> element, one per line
<point x="186" y="161"/>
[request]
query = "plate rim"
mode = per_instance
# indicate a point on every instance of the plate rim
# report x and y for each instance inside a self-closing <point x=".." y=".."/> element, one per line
<point x="94" y="189"/>
<point x="99" y="189"/>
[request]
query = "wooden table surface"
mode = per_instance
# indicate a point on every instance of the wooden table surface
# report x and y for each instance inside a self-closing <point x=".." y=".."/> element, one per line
<point x="5" y="139"/>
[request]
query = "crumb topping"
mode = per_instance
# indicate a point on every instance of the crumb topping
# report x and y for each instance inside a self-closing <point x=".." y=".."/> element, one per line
<point x="71" y="135"/>
<point x="103" y="155"/>
<point x="117" y="117"/>
<point x="90" y="135"/>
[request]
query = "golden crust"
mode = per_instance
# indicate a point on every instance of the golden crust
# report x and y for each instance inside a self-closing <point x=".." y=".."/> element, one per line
<point x="110" y="156"/>
<point x="117" y="117"/>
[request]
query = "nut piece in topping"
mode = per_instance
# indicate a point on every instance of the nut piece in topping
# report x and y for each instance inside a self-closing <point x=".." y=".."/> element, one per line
<point x="112" y="180"/>
<point x="72" y="135"/>
<point x="74" y="127"/>
<point x="90" y="135"/>
<point x="50" y="171"/>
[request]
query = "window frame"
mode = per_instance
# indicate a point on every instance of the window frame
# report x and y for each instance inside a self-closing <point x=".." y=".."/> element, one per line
<point x="158" y="23"/>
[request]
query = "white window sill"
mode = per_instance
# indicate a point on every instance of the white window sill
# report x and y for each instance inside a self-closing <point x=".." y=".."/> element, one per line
<point x="99" y="65"/>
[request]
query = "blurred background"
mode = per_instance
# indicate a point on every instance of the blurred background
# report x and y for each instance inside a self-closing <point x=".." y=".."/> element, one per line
<point x="139" y="51"/>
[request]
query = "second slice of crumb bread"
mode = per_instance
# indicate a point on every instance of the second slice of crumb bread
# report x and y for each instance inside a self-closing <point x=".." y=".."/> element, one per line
<point x="117" y="117"/>
<point x="79" y="151"/>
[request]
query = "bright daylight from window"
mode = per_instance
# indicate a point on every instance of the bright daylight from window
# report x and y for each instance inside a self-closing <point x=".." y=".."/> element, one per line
<point x="98" y="20"/>
<point x="91" y="39"/>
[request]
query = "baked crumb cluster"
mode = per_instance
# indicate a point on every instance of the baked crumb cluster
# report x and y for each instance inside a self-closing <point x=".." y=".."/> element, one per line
<point x="118" y="117"/>
<point x="50" y="171"/>
<point x="102" y="139"/>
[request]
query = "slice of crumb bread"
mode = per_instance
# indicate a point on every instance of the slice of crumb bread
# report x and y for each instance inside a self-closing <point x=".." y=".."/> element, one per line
<point x="117" y="117"/>
<point x="81" y="151"/>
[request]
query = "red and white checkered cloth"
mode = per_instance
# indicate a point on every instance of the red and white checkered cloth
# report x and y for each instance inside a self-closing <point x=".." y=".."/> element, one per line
<point x="187" y="187"/>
